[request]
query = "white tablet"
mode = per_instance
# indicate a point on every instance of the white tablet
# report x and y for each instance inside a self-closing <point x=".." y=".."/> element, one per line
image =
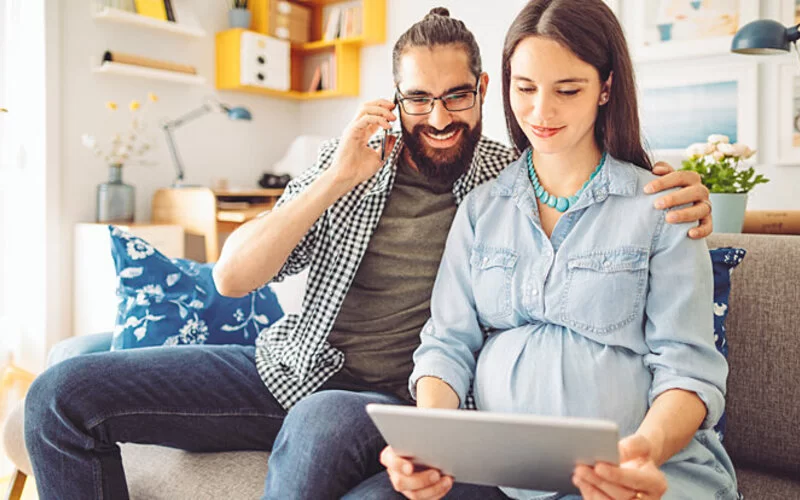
<point x="498" y="449"/>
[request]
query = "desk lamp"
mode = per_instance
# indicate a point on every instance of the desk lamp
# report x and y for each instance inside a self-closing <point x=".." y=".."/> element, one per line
<point x="209" y="106"/>
<point x="765" y="37"/>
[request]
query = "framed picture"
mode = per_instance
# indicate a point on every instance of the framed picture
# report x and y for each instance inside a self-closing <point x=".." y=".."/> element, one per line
<point x="664" y="29"/>
<point x="788" y="134"/>
<point x="790" y="12"/>
<point x="683" y="105"/>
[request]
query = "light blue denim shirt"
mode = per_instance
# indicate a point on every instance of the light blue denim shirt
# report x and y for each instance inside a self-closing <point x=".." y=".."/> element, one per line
<point x="596" y="321"/>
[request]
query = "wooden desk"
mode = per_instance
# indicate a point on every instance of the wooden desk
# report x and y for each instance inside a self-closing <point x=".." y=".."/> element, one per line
<point x="207" y="213"/>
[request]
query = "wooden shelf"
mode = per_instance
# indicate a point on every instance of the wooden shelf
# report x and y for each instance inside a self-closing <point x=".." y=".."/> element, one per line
<point x="289" y="94"/>
<point x="327" y="44"/>
<point x="305" y="57"/>
<point x="150" y="73"/>
<point x="110" y="14"/>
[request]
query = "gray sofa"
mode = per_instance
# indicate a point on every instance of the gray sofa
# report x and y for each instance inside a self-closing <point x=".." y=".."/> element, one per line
<point x="763" y="402"/>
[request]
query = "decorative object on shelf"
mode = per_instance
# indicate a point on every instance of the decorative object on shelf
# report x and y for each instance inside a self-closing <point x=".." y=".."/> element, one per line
<point x="146" y="62"/>
<point x="239" y="16"/>
<point x="210" y="105"/>
<point x="265" y="61"/>
<point x="719" y="164"/>
<point x="115" y="199"/>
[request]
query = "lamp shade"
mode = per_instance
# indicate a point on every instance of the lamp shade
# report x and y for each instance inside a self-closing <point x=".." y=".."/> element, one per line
<point x="239" y="114"/>
<point x="764" y="37"/>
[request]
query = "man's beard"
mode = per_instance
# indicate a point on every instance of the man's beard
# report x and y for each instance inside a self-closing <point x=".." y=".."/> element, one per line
<point x="444" y="165"/>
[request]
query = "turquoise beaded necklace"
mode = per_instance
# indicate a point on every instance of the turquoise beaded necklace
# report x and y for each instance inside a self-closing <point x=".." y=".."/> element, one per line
<point x="557" y="202"/>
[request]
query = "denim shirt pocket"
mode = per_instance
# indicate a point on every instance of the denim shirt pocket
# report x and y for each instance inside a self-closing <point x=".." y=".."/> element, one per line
<point x="492" y="275"/>
<point x="605" y="290"/>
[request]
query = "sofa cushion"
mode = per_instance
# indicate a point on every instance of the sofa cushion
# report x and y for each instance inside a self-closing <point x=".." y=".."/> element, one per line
<point x="166" y="301"/>
<point x="158" y="473"/>
<point x="757" y="484"/>
<point x="764" y="349"/>
<point x="724" y="260"/>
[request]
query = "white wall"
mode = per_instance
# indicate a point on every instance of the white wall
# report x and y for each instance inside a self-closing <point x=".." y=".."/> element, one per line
<point x="211" y="147"/>
<point x="489" y="24"/>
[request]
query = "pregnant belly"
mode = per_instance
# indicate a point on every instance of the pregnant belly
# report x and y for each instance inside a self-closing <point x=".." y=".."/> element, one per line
<point x="551" y="370"/>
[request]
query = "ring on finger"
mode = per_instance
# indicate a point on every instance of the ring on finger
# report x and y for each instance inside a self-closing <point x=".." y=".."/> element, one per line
<point x="708" y="202"/>
<point x="639" y="495"/>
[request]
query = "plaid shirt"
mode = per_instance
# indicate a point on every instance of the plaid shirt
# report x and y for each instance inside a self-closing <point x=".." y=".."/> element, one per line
<point x="292" y="355"/>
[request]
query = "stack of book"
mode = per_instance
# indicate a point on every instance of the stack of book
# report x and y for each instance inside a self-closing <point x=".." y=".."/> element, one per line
<point x="342" y="21"/>
<point x="322" y="69"/>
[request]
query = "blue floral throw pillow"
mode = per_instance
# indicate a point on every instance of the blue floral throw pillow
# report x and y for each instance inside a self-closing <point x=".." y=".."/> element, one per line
<point x="166" y="301"/>
<point x="724" y="260"/>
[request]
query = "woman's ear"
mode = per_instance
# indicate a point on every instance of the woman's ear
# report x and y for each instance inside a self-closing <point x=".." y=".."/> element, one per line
<point x="605" y="90"/>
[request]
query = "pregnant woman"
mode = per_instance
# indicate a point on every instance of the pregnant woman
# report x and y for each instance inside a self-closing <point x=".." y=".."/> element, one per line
<point x="564" y="292"/>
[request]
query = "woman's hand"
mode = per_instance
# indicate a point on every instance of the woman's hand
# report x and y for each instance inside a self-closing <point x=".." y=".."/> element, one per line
<point x="636" y="477"/>
<point x="692" y="192"/>
<point x="414" y="484"/>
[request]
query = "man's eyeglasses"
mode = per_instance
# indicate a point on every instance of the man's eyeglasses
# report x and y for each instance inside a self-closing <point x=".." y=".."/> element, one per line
<point x="454" y="101"/>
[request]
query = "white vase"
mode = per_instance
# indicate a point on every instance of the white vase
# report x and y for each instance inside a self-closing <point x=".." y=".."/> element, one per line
<point x="727" y="211"/>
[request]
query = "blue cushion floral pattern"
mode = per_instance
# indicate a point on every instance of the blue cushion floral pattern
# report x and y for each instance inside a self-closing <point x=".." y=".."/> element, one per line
<point x="724" y="261"/>
<point x="166" y="301"/>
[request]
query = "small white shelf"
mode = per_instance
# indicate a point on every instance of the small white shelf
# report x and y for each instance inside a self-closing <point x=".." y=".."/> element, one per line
<point x="150" y="73"/>
<point x="111" y="14"/>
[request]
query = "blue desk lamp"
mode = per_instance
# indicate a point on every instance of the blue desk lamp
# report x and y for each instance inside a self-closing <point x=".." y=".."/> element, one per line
<point x="765" y="37"/>
<point x="209" y="106"/>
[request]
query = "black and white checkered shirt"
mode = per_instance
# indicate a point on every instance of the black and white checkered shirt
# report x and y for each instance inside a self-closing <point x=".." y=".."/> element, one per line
<point x="292" y="355"/>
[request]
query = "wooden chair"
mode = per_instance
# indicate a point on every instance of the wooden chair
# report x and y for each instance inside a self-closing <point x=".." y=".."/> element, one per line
<point x="17" y="380"/>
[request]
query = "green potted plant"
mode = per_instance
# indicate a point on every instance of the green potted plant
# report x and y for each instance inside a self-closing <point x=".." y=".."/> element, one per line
<point x="722" y="167"/>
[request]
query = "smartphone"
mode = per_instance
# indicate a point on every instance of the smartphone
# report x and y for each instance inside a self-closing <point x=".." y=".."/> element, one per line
<point x="386" y="133"/>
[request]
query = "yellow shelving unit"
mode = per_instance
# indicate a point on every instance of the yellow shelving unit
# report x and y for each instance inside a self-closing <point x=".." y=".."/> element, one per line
<point x="346" y="51"/>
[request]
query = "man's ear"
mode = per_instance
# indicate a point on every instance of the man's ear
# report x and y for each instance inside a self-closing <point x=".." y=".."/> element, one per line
<point x="484" y="79"/>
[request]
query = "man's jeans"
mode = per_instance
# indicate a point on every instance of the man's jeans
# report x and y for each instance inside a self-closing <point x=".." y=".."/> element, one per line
<point x="196" y="398"/>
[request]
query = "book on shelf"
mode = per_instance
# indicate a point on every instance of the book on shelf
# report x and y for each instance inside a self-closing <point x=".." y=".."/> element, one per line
<point x="320" y="72"/>
<point x="316" y="80"/>
<point x="170" y="11"/>
<point x="152" y="8"/>
<point x="332" y="23"/>
<point x="342" y="21"/>
<point x="772" y="221"/>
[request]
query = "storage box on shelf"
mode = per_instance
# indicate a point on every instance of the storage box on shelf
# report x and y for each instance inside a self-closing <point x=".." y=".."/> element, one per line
<point x="363" y="22"/>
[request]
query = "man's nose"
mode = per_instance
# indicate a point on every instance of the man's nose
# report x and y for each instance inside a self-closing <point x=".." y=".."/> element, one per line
<point x="439" y="117"/>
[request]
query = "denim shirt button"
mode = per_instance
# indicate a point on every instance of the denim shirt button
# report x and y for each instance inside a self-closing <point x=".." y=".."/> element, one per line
<point x="534" y="292"/>
<point x="606" y="264"/>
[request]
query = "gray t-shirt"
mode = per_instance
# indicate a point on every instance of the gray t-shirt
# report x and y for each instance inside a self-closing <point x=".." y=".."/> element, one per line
<point x="388" y="303"/>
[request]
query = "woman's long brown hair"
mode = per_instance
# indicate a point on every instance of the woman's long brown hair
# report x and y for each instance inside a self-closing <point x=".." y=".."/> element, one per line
<point x="592" y="32"/>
